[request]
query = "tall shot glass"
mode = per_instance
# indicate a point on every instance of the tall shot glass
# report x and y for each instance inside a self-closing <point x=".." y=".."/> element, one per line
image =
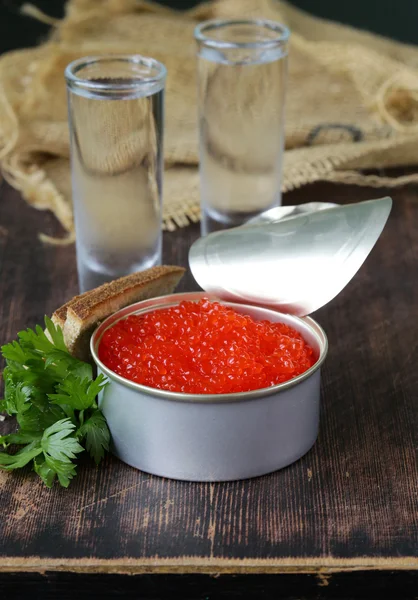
<point x="115" y="108"/>
<point x="242" y="72"/>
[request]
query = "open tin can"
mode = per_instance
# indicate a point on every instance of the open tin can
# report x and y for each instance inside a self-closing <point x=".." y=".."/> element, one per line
<point x="219" y="437"/>
<point x="223" y="437"/>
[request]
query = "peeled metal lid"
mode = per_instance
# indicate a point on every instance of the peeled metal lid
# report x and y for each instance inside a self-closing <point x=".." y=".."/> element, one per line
<point x="295" y="262"/>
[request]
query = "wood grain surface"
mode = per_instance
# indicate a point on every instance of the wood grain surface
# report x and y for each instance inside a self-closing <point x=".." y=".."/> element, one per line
<point x="350" y="504"/>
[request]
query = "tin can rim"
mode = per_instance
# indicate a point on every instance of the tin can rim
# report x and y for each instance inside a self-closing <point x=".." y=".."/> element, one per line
<point x="173" y="299"/>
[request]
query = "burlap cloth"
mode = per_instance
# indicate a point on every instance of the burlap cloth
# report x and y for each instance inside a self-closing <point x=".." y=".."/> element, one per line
<point x="352" y="101"/>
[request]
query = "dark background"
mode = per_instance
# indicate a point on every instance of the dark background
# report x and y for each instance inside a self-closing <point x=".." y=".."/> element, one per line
<point x="394" y="18"/>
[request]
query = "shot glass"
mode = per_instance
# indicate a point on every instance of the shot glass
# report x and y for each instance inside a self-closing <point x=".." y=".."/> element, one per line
<point x="242" y="73"/>
<point x="115" y="111"/>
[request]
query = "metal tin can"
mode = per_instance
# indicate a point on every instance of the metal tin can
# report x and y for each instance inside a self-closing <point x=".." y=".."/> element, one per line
<point x="219" y="437"/>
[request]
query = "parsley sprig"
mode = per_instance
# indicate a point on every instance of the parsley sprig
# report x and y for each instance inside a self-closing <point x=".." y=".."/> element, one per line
<point x="53" y="397"/>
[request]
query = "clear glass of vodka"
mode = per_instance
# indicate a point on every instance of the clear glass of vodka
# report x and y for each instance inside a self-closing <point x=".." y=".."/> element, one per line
<point x="115" y="111"/>
<point x="242" y="74"/>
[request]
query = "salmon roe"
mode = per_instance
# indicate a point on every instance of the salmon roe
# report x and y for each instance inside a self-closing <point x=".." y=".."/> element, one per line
<point x="204" y="348"/>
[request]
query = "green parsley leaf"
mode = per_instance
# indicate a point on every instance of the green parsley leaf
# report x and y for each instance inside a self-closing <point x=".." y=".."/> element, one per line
<point x="38" y="420"/>
<point x="22" y="397"/>
<point x="15" y="352"/>
<point x="59" y="443"/>
<point x="78" y="393"/>
<point x="21" y="458"/>
<point x="63" y="363"/>
<point x="32" y="373"/>
<point x="35" y="340"/>
<point x="97" y="435"/>
<point x="21" y="437"/>
<point x="56" y="334"/>
<point x="9" y="402"/>
<point x="44" y="471"/>
<point x="64" y="470"/>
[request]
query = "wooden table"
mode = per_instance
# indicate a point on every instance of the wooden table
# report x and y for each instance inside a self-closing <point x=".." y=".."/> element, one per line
<point x="340" y="523"/>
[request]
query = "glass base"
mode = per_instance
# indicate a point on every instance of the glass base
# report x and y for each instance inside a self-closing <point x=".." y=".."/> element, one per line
<point x="91" y="275"/>
<point x="216" y="221"/>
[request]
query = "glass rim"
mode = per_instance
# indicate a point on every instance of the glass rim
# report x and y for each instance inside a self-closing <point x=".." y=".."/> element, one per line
<point x="73" y="67"/>
<point x="201" y="36"/>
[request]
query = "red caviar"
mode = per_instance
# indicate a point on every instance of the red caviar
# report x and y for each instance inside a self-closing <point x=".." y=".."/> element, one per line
<point x="204" y="348"/>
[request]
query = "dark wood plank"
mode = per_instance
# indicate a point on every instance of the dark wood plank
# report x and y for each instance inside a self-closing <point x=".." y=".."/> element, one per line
<point x="350" y="503"/>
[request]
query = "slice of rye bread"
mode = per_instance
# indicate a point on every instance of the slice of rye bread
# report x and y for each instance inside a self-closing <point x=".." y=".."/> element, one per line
<point x="80" y="316"/>
<point x="60" y="315"/>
